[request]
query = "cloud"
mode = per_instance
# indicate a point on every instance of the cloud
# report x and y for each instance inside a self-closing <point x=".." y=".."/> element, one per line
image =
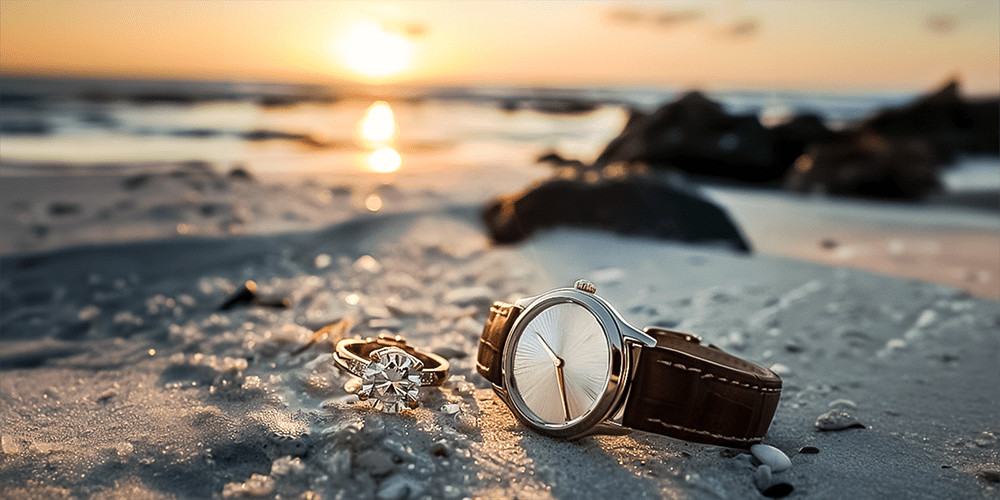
<point x="941" y="24"/>
<point x="667" y="19"/>
<point x="649" y="18"/>
<point x="744" y="28"/>
<point x="625" y="15"/>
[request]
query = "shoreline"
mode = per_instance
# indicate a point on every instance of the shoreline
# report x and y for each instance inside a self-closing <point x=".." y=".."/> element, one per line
<point x="936" y="241"/>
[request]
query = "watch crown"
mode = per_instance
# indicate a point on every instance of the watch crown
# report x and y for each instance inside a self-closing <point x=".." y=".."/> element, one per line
<point x="585" y="285"/>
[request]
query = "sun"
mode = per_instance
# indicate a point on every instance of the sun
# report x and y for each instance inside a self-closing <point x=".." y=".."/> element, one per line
<point x="373" y="52"/>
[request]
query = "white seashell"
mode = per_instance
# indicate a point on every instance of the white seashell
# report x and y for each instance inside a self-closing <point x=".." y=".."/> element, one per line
<point x="772" y="457"/>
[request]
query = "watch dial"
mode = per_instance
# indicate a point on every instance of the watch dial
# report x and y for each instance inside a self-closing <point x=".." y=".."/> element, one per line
<point x="563" y="338"/>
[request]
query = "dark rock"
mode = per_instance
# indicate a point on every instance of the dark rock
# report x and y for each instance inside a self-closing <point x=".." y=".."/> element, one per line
<point x="247" y="295"/>
<point x="136" y="181"/>
<point x="868" y="166"/>
<point x="277" y="135"/>
<point x="793" y="137"/>
<point x="561" y="106"/>
<point x="162" y="98"/>
<point x="950" y="124"/>
<point x="196" y="133"/>
<point x="808" y="450"/>
<point x="239" y="173"/>
<point x="25" y="127"/>
<point x="695" y="135"/>
<point x="556" y="160"/>
<point x="989" y="475"/>
<point x="59" y="208"/>
<point x="634" y="206"/>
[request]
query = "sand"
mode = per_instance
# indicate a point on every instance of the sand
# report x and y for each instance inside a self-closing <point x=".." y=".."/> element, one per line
<point x="122" y="379"/>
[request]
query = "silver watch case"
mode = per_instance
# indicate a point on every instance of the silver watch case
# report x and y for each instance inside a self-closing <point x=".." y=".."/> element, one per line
<point x="623" y="343"/>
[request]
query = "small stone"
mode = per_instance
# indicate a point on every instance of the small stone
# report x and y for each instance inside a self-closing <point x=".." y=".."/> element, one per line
<point x="397" y="488"/>
<point x="368" y="264"/>
<point x="985" y="440"/>
<point x="108" y="394"/>
<point x="771" y="456"/>
<point x="762" y="478"/>
<point x="989" y="475"/>
<point x="837" y="420"/>
<point x="465" y="424"/>
<point x="778" y="490"/>
<point x="9" y="445"/>
<point x="842" y="402"/>
<point x="376" y="462"/>
<point x="440" y="449"/>
<point x="808" y="450"/>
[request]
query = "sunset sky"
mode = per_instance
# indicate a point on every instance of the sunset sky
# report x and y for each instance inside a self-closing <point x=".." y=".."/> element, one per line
<point x="808" y="45"/>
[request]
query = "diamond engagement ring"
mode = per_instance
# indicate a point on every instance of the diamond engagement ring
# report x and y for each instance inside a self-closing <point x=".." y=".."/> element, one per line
<point x="391" y="371"/>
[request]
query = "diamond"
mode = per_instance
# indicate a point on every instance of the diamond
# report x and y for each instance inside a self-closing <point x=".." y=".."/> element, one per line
<point x="391" y="380"/>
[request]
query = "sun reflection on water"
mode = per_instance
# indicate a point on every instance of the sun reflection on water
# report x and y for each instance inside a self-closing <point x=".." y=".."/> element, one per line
<point x="377" y="130"/>
<point x="378" y="126"/>
<point x="384" y="160"/>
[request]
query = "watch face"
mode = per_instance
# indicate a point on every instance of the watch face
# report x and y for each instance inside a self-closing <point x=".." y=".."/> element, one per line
<point x="561" y="364"/>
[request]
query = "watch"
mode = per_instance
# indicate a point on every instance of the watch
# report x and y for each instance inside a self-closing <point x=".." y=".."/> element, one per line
<point x="568" y="365"/>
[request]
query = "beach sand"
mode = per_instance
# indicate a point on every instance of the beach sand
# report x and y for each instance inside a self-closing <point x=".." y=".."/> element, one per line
<point x="121" y="378"/>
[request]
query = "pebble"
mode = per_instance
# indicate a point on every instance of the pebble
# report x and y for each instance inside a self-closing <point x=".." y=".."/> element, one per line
<point x="989" y="475"/>
<point x="842" y="402"/>
<point x="837" y="420"/>
<point x="441" y="449"/>
<point x="377" y="462"/>
<point x="772" y="457"/>
<point x="808" y="450"/>
<point x="397" y="488"/>
<point x="762" y="478"/>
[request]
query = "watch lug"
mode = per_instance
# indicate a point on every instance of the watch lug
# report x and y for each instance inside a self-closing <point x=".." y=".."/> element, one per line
<point x="607" y="428"/>
<point x="502" y="394"/>
<point x="637" y="336"/>
<point x="524" y="301"/>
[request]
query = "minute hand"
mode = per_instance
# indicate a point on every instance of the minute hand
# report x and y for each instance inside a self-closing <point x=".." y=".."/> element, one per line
<point x="556" y="360"/>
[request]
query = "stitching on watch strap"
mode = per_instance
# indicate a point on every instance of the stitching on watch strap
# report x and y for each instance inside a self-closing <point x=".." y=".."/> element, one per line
<point x="704" y="433"/>
<point x="720" y="379"/>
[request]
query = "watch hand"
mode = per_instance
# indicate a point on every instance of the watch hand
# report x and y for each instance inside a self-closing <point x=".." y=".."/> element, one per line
<point x="556" y="360"/>
<point x="562" y="390"/>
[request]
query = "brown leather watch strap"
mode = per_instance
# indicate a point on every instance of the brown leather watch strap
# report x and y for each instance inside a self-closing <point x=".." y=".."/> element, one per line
<point x="696" y="393"/>
<point x="488" y="361"/>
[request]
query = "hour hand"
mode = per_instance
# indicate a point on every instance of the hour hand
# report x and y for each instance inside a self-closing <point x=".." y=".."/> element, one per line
<point x="556" y="360"/>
